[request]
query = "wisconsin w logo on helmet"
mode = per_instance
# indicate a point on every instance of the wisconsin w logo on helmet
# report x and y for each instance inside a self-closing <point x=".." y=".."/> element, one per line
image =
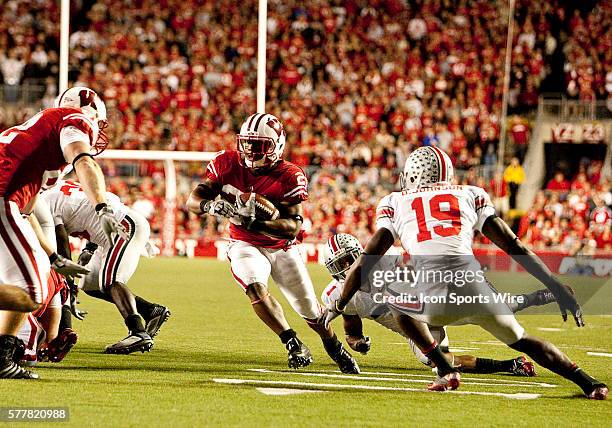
<point x="261" y="141"/>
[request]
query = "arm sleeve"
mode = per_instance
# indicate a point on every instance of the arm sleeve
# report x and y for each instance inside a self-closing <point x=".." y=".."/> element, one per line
<point x="215" y="168"/>
<point x="43" y="214"/>
<point x="332" y="292"/>
<point x="72" y="134"/>
<point x="483" y="207"/>
<point x="296" y="187"/>
<point x="385" y="213"/>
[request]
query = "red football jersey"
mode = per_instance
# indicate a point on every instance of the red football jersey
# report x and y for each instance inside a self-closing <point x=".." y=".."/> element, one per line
<point x="30" y="154"/>
<point x="285" y="183"/>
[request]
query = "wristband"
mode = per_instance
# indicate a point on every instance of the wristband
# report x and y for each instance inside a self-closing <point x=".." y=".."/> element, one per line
<point x="101" y="206"/>
<point x="79" y="157"/>
<point x="53" y="258"/>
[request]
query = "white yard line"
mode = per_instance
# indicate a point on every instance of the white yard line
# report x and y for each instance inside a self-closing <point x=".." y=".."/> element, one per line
<point x="550" y="329"/>
<point x="229" y="381"/>
<point x="599" y="354"/>
<point x="287" y="391"/>
<point x="465" y="380"/>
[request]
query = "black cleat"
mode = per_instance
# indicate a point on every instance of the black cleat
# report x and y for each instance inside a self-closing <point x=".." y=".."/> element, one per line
<point x="346" y="362"/>
<point x="299" y="354"/>
<point x="599" y="392"/>
<point x="12" y="371"/>
<point x="159" y="316"/>
<point x="134" y="342"/>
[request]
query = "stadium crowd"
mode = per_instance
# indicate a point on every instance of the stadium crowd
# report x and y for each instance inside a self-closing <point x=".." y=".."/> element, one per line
<point x="355" y="86"/>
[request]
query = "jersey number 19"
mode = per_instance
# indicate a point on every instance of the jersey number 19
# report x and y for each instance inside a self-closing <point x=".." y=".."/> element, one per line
<point x="442" y="207"/>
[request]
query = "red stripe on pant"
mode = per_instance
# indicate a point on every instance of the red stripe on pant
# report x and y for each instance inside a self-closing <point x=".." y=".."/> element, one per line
<point x="110" y="267"/>
<point x="24" y="243"/>
<point x="17" y="256"/>
<point x="33" y="332"/>
<point x="241" y="282"/>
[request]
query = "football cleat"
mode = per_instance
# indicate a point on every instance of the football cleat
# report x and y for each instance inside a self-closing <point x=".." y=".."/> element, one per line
<point x="12" y="371"/>
<point x="299" y="355"/>
<point x="134" y="342"/>
<point x="19" y="351"/>
<point x="600" y="392"/>
<point x="346" y="362"/>
<point x="523" y="367"/>
<point x="159" y="316"/>
<point x="59" y="347"/>
<point x="442" y="383"/>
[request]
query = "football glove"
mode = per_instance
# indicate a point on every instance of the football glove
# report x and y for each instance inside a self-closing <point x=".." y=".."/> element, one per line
<point x="330" y="312"/>
<point x="361" y="344"/>
<point x="109" y="223"/>
<point x="246" y="209"/>
<point x="66" y="267"/>
<point x="74" y="291"/>
<point x="567" y="302"/>
<point x="220" y="207"/>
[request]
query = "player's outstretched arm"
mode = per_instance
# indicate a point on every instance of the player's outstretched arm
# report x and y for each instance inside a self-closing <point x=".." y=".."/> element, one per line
<point x="202" y="196"/>
<point x="378" y="245"/>
<point x="501" y="235"/>
<point x="287" y="226"/>
<point x="353" y="329"/>
<point x="87" y="170"/>
<point x="63" y="242"/>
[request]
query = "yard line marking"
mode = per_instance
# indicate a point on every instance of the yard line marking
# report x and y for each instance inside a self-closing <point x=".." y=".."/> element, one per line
<point x="287" y="391"/>
<point x="463" y="378"/>
<point x="230" y="381"/>
<point x="550" y="329"/>
<point x="599" y="354"/>
<point x="558" y="345"/>
<point x="466" y="381"/>
<point x="463" y="349"/>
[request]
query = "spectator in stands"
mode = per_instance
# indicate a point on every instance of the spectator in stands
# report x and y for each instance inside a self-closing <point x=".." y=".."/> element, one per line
<point x="558" y="183"/>
<point x="514" y="175"/>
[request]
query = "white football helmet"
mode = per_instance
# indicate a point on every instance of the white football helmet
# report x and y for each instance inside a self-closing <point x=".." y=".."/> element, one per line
<point x="261" y="141"/>
<point x="426" y="166"/>
<point x="92" y="107"/>
<point x="341" y="251"/>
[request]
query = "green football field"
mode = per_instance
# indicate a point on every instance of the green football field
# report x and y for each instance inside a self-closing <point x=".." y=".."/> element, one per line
<point x="215" y="364"/>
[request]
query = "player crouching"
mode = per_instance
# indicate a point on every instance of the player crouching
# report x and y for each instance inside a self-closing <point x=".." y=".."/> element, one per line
<point x="40" y="334"/>
<point x="262" y="195"/>
<point x="342" y="250"/>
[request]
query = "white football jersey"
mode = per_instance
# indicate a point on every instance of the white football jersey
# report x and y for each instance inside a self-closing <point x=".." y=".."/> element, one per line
<point x="436" y="220"/>
<point x="69" y="206"/>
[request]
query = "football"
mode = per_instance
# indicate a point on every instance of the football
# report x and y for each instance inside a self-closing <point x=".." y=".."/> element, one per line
<point x="264" y="209"/>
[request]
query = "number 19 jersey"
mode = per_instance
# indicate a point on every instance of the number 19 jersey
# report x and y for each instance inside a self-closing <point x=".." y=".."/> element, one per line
<point x="436" y="220"/>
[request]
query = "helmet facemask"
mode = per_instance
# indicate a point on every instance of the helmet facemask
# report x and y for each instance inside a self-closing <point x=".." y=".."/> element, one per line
<point x="257" y="152"/>
<point x="339" y="265"/>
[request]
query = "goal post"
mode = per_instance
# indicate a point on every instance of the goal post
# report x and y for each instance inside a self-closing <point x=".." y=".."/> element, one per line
<point x="169" y="208"/>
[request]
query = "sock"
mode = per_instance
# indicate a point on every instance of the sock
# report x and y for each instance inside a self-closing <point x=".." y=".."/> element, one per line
<point x="134" y="323"/>
<point x="435" y="354"/>
<point x="583" y="380"/>
<point x="144" y="308"/>
<point x="66" y="319"/>
<point x="487" y="365"/>
<point x="287" y="335"/>
<point x="332" y="345"/>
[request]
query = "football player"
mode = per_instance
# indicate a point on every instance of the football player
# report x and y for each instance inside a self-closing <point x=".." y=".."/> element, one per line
<point x="260" y="249"/>
<point x="342" y="250"/>
<point x="31" y="156"/>
<point x="112" y="264"/>
<point x="431" y="216"/>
